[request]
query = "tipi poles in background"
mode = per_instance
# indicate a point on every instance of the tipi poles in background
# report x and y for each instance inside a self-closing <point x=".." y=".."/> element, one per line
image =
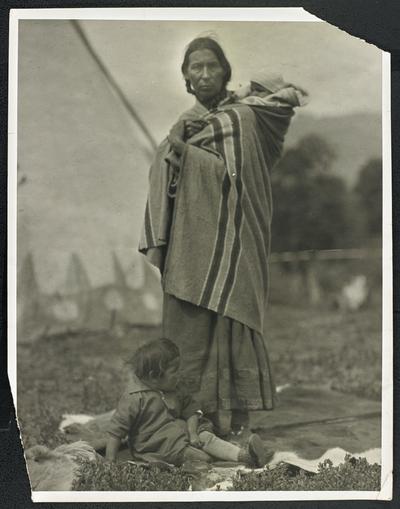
<point x="114" y="85"/>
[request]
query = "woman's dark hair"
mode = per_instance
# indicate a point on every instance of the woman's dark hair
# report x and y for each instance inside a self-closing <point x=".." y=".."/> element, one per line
<point x="152" y="359"/>
<point x="212" y="45"/>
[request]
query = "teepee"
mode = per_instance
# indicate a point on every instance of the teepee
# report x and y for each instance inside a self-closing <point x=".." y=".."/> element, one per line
<point x="83" y="160"/>
<point x="77" y="279"/>
<point x="30" y="316"/>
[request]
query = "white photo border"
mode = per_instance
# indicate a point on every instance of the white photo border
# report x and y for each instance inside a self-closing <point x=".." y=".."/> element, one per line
<point x="205" y="14"/>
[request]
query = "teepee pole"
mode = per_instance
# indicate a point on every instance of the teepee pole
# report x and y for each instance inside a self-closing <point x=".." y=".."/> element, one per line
<point x="114" y="85"/>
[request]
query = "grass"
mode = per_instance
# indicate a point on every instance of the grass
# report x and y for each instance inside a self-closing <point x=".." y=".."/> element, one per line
<point x="342" y="351"/>
<point x="84" y="373"/>
<point x="354" y="474"/>
<point x="104" y="476"/>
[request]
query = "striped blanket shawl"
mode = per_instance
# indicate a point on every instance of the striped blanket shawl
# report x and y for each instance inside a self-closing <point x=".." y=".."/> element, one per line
<point x="212" y="244"/>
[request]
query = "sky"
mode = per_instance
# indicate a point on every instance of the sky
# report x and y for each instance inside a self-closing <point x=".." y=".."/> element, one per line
<point x="342" y="73"/>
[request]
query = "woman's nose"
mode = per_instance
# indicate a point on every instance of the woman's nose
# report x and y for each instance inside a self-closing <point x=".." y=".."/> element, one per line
<point x="205" y="73"/>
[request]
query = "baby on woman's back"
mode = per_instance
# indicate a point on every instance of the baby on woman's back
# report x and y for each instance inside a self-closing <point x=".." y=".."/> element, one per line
<point x="265" y="88"/>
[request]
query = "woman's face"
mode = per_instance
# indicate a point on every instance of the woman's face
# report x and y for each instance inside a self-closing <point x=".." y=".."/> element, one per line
<point x="205" y="74"/>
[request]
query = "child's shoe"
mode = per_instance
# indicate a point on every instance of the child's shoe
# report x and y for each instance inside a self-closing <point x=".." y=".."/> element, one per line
<point x="255" y="454"/>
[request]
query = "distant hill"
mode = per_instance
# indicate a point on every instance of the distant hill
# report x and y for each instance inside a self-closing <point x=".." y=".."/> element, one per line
<point x="355" y="138"/>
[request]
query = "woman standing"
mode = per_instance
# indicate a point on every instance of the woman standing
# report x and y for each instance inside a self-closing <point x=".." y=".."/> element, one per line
<point x="211" y="242"/>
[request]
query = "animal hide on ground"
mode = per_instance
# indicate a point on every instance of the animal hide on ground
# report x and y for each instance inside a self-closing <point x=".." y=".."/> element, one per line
<point x="56" y="470"/>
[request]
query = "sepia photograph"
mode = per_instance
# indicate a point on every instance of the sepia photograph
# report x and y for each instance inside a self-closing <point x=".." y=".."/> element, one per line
<point x="199" y="256"/>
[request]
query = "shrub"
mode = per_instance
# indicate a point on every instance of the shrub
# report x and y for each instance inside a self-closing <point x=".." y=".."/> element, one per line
<point x="101" y="475"/>
<point x="354" y="474"/>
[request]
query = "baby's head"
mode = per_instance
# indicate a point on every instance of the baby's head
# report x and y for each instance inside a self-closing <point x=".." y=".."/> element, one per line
<point x="264" y="82"/>
<point x="157" y="364"/>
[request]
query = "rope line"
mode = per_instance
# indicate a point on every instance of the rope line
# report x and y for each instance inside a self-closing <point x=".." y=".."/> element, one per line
<point x="326" y="254"/>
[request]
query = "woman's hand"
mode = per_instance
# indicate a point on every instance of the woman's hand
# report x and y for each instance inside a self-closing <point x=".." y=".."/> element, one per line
<point x="177" y="145"/>
<point x="176" y="137"/>
<point x="193" y="127"/>
<point x="177" y="130"/>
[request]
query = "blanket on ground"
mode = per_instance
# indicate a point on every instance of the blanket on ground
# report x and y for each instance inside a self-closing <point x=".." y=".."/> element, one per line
<point x="216" y="476"/>
<point x="218" y="230"/>
<point x="221" y="478"/>
<point x="306" y="423"/>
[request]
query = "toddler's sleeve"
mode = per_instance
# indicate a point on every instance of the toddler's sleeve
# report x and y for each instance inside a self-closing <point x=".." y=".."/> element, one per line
<point x="124" y="417"/>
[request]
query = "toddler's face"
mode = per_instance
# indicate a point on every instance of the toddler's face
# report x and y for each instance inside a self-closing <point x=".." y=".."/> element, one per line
<point x="170" y="379"/>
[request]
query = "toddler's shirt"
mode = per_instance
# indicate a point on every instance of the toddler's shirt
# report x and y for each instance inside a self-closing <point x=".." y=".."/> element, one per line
<point x="153" y="422"/>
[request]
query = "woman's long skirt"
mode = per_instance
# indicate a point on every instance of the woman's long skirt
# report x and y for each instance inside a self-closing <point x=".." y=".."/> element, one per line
<point x="223" y="362"/>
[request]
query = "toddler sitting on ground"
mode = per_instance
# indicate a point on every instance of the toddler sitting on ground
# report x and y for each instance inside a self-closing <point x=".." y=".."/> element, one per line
<point x="165" y="425"/>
